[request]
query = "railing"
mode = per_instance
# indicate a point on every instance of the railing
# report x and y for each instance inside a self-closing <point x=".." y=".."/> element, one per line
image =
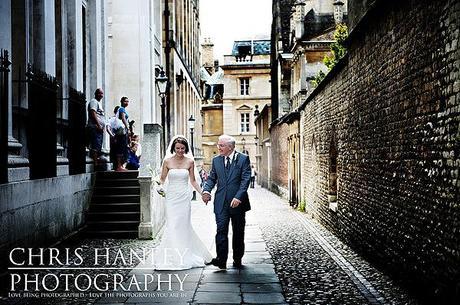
<point x="4" y="85"/>
<point x="42" y="123"/>
<point x="20" y="111"/>
<point x="76" y="150"/>
<point x="243" y="58"/>
<point x="62" y="126"/>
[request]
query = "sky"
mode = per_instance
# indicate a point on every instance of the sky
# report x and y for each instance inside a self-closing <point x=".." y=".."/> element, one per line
<point x="225" y="21"/>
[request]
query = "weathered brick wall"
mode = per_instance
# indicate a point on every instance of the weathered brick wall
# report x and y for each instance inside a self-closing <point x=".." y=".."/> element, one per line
<point x="280" y="158"/>
<point x="393" y="106"/>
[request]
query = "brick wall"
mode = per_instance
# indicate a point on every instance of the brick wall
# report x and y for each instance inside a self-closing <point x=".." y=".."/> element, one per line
<point x="392" y="110"/>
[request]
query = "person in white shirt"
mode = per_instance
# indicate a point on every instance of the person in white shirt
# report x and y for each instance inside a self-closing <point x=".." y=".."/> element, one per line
<point x="96" y="125"/>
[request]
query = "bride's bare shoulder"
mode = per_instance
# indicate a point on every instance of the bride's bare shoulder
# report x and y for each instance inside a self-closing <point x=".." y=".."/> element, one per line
<point x="190" y="161"/>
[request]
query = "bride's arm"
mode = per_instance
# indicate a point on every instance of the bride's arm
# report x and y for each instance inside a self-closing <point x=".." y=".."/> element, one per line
<point x="164" y="172"/>
<point x="191" y="172"/>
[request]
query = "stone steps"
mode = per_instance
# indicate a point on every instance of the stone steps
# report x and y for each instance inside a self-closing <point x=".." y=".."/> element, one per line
<point x="114" y="211"/>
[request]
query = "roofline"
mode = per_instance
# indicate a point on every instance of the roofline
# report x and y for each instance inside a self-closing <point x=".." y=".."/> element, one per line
<point x="265" y="108"/>
<point x="240" y="66"/>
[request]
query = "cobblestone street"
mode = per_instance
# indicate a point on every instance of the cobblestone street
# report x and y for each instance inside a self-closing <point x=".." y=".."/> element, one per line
<point x="289" y="258"/>
<point x="314" y="267"/>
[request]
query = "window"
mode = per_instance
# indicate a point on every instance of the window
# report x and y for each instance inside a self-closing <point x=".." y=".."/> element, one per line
<point x="244" y="86"/>
<point x="244" y="122"/>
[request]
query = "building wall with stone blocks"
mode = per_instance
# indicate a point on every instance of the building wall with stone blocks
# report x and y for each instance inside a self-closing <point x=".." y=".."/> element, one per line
<point x="134" y="31"/>
<point x="40" y="212"/>
<point x="263" y="152"/>
<point x="48" y="183"/>
<point x="280" y="151"/>
<point x="391" y="111"/>
<point x="235" y="103"/>
<point x="213" y="127"/>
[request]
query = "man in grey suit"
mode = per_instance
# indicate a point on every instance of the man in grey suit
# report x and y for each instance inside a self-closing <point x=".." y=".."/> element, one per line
<point x="231" y="171"/>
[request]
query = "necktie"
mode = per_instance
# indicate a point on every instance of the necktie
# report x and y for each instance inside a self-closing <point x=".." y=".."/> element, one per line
<point x="227" y="165"/>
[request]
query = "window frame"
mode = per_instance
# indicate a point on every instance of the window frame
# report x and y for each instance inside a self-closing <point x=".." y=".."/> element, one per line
<point x="244" y="86"/>
<point x="245" y="122"/>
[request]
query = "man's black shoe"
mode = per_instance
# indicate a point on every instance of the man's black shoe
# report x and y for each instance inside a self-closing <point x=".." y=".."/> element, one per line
<point x="237" y="263"/>
<point x="218" y="263"/>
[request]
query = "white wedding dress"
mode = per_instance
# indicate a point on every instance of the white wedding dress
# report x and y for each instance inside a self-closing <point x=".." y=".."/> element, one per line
<point x="180" y="247"/>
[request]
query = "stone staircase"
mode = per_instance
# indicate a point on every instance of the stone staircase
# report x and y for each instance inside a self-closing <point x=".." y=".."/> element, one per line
<point x="114" y="211"/>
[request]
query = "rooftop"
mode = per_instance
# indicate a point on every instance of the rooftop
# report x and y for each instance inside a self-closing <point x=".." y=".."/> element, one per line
<point x="251" y="47"/>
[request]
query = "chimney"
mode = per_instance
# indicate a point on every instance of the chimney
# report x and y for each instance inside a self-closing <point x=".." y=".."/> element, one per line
<point x="297" y="17"/>
<point x="207" y="54"/>
<point x="338" y="11"/>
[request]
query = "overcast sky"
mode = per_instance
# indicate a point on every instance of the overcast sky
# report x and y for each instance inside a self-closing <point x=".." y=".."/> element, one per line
<point x="228" y="20"/>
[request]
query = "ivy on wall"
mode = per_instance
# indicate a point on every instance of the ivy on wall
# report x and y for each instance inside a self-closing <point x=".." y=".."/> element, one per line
<point x="338" y="50"/>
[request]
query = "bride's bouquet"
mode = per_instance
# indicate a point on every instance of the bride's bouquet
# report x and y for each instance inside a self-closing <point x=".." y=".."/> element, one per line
<point x="158" y="187"/>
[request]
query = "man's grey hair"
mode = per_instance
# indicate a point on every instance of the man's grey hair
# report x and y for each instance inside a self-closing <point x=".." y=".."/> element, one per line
<point x="228" y="139"/>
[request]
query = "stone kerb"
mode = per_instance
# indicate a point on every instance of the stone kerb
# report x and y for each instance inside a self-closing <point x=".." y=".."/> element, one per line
<point x="152" y="208"/>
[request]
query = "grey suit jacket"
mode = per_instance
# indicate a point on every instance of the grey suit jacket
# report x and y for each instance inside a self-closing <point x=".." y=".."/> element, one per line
<point x="233" y="184"/>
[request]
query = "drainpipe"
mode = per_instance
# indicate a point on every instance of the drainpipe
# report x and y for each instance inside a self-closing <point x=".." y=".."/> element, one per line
<point x="167" y="14"/>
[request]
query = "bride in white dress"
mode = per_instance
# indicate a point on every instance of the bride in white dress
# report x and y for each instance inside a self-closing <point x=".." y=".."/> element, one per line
<point x="180" y="248"/>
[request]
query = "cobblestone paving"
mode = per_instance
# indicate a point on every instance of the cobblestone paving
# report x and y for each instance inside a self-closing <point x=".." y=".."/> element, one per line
<point x="310" y="274"/>
<point x="314" y="267"/>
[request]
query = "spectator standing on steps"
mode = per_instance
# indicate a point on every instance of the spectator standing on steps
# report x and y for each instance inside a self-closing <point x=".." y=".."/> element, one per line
<point x="113" y="126"/>
<point x="122" y="137"/>
<point x="96" y="125"/>
<point x="133" y="160"/>
<point x="139" y="146"/>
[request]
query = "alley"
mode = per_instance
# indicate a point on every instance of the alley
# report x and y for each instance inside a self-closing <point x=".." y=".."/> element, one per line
<point x="290" y="259"/>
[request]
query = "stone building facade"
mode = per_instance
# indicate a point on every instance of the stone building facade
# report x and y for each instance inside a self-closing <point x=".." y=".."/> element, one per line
<point x="182" y="66"/>
<point x="134" y="33"/>
<point x="55" y="61"/>
<point x="380" y="143"/>
<point x="245" y="80"/>
<point x="264" y="158"/>
<point x="162" y="35"/>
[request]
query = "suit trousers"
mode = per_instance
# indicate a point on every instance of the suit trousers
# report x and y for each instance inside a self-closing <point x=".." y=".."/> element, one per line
<point x="238" y="224"/>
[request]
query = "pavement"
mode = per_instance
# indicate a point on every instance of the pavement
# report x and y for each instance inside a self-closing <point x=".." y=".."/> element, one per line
<point x="255" y="283"/>
<point x="290" y="259"/>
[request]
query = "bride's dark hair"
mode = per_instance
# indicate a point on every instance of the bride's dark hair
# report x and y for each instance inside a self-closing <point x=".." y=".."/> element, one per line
<point x="180" y="140"/>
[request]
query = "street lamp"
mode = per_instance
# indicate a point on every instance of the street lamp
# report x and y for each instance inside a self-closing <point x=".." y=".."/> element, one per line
<point x="191" y="125"/>
<point x="162" y="83"/>
<point x="243" y="141"/>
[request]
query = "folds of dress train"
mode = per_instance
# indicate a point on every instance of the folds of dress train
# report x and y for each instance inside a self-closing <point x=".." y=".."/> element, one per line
<point x="180" y="247"/>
